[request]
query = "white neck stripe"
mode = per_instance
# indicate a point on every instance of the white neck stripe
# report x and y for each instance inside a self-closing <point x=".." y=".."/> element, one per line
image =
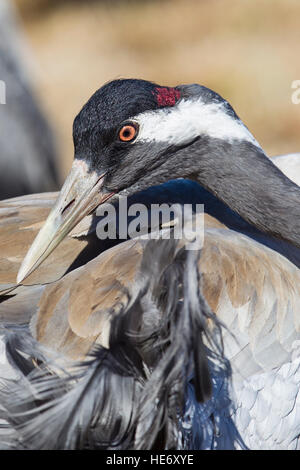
<point x="189" y="119"/>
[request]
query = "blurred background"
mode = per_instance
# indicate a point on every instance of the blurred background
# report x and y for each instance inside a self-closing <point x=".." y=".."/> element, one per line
<point x="246" y="50"/>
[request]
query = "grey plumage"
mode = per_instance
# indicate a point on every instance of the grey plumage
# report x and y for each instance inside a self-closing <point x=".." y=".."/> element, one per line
<point x="111" y="400"/>
<point x="27" y="147"/>
<point x="247" y="273"/>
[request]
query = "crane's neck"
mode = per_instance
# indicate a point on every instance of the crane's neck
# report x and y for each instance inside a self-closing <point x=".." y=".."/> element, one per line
<point x="244" y="178"/>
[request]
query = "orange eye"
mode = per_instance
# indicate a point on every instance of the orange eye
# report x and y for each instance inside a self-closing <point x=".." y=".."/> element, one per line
<point x="128" y="133"/>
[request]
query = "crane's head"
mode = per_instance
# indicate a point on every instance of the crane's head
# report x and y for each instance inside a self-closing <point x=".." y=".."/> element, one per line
<point x="132" y="134"/>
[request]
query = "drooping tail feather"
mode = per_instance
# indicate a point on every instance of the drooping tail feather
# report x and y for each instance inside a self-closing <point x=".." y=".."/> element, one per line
<point x="132" y="395"/>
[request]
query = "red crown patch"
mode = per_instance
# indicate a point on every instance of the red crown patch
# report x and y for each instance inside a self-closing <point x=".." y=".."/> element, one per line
<point x="166" y="96"/>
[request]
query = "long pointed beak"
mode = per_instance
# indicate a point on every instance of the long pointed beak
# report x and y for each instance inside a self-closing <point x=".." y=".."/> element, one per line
<point x="80" y="195"/>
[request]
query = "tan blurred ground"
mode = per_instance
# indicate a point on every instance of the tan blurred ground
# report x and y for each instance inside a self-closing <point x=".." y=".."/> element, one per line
<point x="247" y="50"/>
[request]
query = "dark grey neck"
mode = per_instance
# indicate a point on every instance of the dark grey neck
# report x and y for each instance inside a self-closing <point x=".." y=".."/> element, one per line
<point x="243" y="177"/>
